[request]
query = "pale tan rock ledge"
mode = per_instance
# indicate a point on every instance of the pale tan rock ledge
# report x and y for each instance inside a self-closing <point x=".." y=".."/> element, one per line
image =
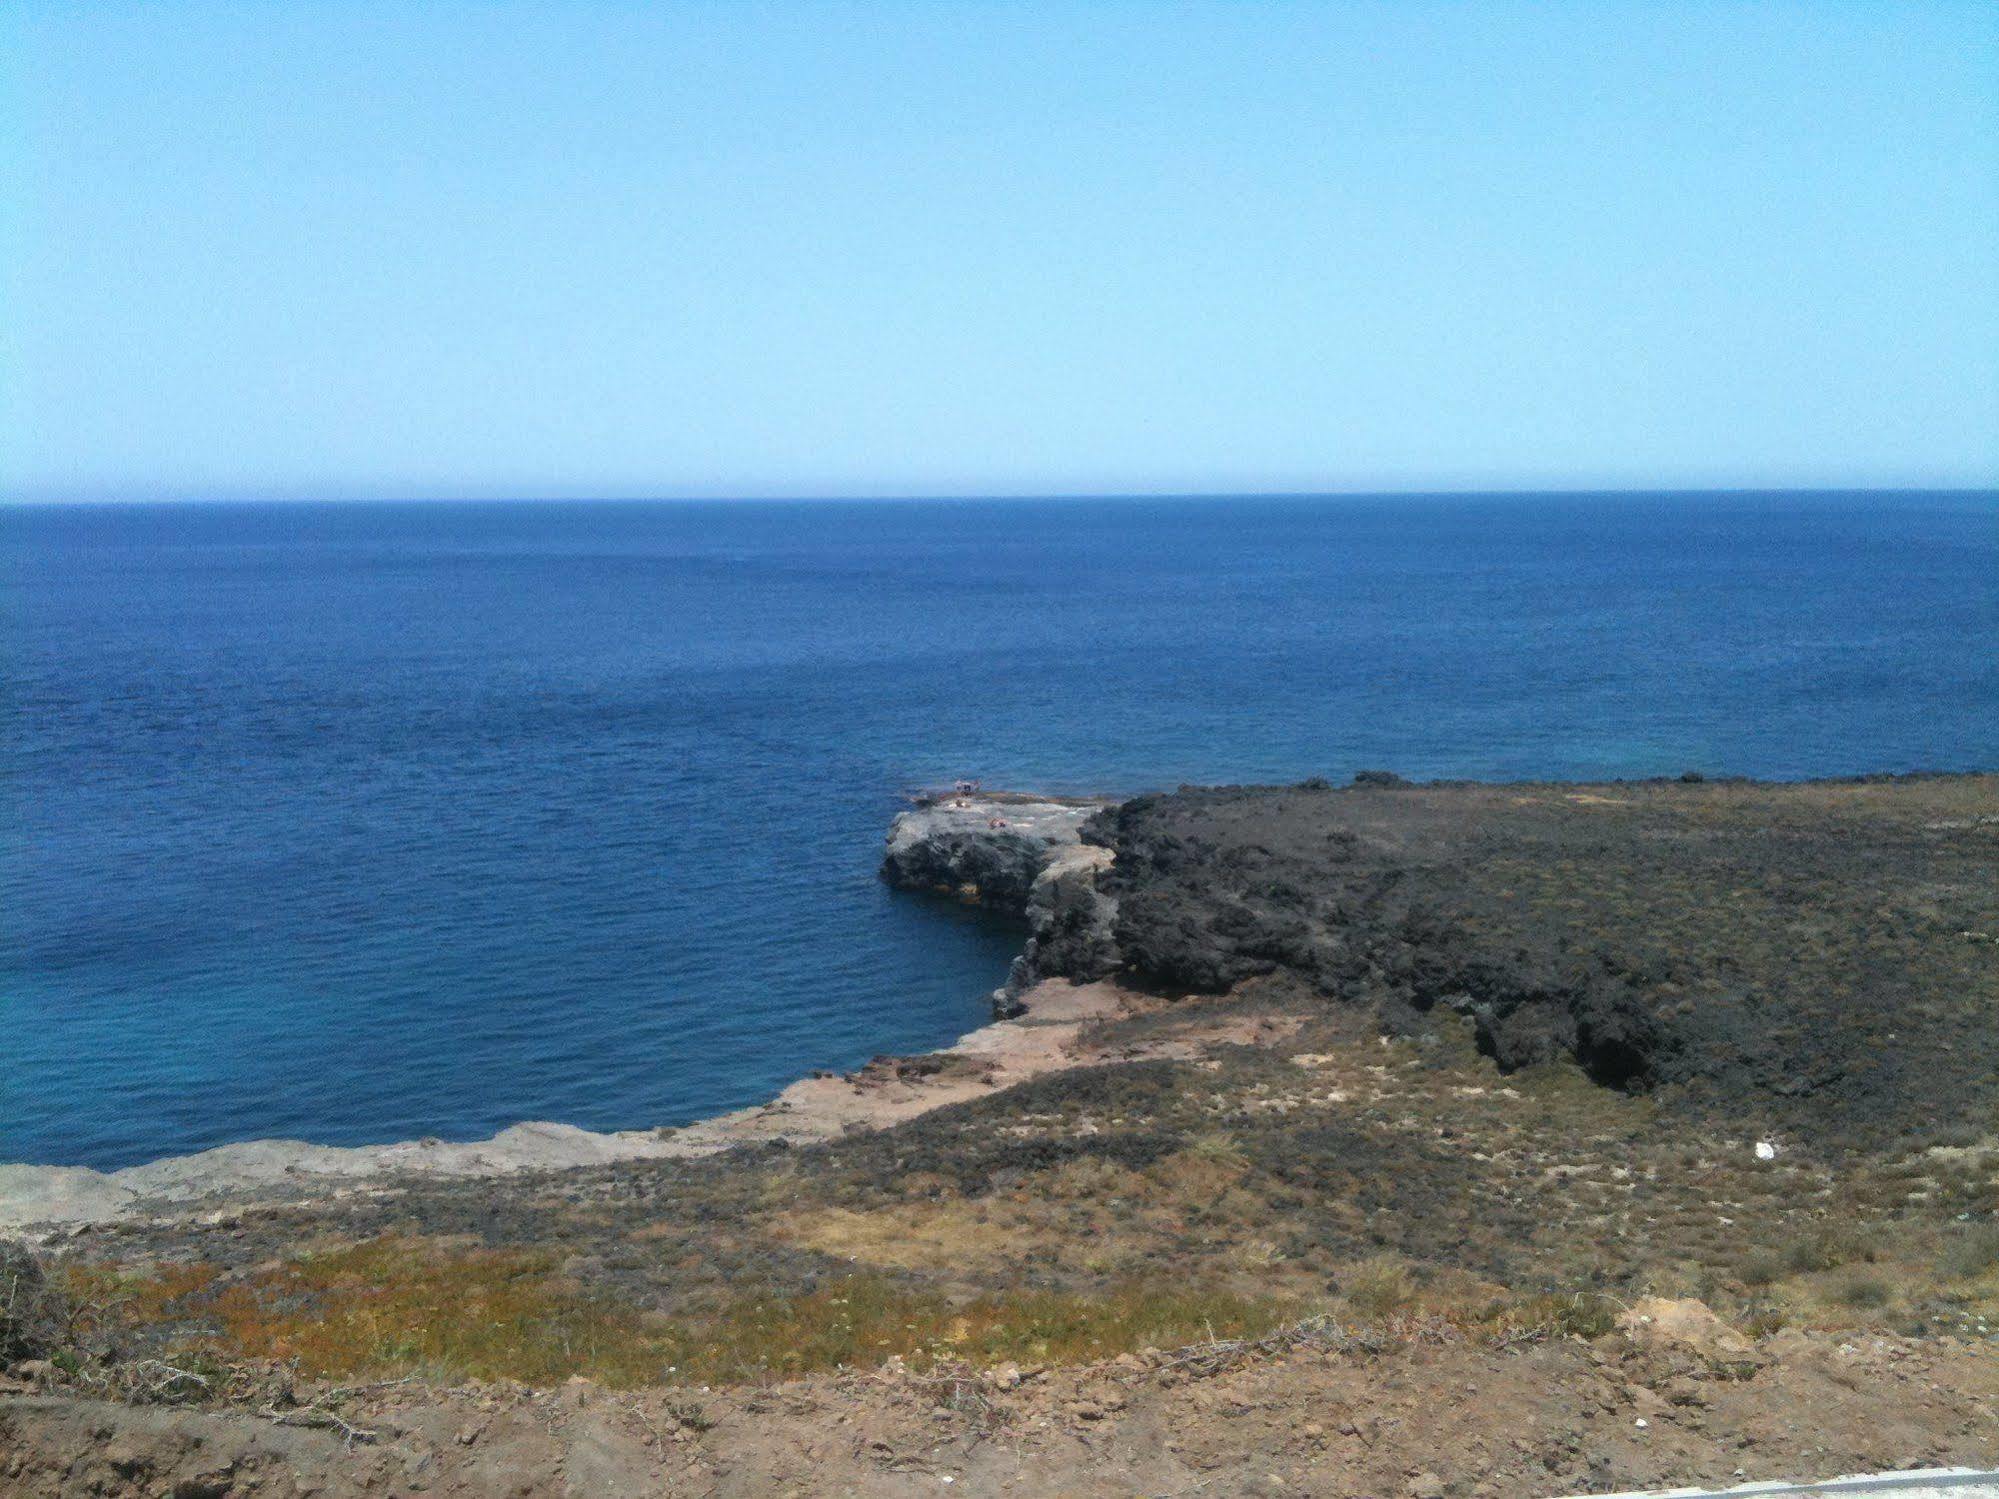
<point x="36" y="1201"/>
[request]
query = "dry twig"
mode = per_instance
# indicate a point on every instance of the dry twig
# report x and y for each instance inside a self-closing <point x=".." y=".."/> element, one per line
<point x="158" y="1380"/>
<point x="319" y="1416"/>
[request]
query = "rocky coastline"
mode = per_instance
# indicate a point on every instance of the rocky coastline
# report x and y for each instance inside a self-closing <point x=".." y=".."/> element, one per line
<point x="1018" y="855"/>
<point x="1379" y="894"/>
<point x="1648" y="932"/>
<point x="1035" y="1036"/>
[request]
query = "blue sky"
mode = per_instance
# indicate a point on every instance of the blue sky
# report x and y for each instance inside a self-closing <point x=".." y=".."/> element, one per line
<point x="361" y="249"/>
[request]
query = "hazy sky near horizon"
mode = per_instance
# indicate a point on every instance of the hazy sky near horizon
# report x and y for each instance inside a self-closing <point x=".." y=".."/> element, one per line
<point x="624" y="249"/>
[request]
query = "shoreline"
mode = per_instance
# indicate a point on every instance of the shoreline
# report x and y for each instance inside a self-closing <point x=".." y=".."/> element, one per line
<point x="1013" y="852"/>
<point x="990" y="848"/>
<point x="46" y="1201"/>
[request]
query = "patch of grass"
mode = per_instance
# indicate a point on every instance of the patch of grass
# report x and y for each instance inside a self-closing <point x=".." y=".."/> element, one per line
<point x="390" y="1307"/>
<point x="1379" y="1287"/>
<point x="1761" y="1321"/>
<point x="1970" y="1251"/>
<point x="1864" y="1292"/>
<point x="1761" y="1268"/>
<point x="864" y="1321"/>
<point x="37" y="1319"/>
<point x="1086" y="1178"/>
<point x="1219" y="1148"/>
<point x="141" y="1296"/>
<point x="1582" y="1314"/>
<point x="1827" y="1248"/>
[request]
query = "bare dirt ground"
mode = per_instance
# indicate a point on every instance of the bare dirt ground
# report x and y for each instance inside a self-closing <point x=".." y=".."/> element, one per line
<point x="1414" y="1411"/>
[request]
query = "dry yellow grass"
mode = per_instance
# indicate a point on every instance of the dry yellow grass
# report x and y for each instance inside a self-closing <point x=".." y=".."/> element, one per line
<point x="390" y="1307"/>
<point x="1093" y="1217"/>
<point x="395" y="1306"/>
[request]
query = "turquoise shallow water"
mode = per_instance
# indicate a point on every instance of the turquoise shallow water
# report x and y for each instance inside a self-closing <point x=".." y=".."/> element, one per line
<point x="364" y="822"/>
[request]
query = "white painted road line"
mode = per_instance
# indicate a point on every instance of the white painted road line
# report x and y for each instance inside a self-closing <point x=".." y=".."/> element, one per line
<point x="1916" y="1483"/>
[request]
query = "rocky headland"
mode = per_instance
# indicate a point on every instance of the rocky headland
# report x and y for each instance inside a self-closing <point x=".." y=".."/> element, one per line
<point x="1021" y="856"/>
<point x="1776" y="954"/>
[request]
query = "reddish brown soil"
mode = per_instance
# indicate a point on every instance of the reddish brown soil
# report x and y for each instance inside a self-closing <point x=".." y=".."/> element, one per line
<point x="1420" y="1417"/>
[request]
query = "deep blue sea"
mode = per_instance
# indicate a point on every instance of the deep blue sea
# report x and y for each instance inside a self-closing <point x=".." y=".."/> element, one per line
<point x="370" y="821"/>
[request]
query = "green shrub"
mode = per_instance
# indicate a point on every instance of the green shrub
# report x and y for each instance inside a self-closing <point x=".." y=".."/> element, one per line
<point x="1865" y="1292"/>
<point x="1379" y="1287"/>
<point x="35" y="1316"/>
<point x="1761" y="1269"/>
<point x="1828" y="1248"/>
<point x="1969" y="1251"/>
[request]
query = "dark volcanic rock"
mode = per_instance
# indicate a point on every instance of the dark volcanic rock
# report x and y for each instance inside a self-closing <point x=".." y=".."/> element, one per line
<point x="1219" y="886"/>
<point x="1820" y="943"/>
<point x="1825" y="948"/>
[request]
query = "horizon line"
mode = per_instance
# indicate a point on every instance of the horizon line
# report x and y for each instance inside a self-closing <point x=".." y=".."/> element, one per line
<point x="1990" y="488"/>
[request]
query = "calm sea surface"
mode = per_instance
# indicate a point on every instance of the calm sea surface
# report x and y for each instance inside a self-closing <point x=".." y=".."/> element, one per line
<point x="358" y="823"/>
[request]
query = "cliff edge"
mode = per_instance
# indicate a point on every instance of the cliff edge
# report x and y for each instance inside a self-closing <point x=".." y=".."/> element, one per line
<point x="1022" y="856"/>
